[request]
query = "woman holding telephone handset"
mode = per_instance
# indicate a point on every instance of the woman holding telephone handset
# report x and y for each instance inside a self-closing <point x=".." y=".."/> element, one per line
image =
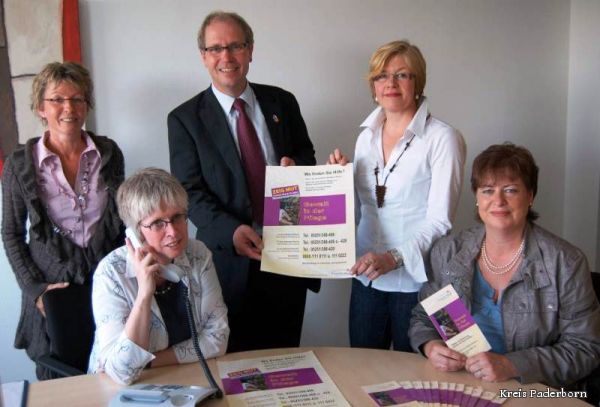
<point x="140" y="315"/>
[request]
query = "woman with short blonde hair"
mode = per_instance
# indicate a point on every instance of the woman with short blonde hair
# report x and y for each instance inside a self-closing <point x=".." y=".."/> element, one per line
<point x="408" y="169"/>
<point x="142" y="315"/>
<point x="64" y="183"/>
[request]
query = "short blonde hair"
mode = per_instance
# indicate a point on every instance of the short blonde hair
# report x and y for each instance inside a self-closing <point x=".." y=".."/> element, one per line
<point x="58" y="72"/>
<point x="145" y="192"/>
<point x="413" y="57"/>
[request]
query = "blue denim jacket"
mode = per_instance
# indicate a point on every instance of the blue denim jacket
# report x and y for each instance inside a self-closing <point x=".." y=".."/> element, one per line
<point x="550" y="312"/>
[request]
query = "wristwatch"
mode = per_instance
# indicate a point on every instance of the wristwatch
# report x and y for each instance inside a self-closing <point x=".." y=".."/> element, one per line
<point x="397" y="257"/>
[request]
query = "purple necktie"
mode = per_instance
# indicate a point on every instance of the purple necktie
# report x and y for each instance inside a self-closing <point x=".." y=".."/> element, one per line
<point x="252" y="160"/>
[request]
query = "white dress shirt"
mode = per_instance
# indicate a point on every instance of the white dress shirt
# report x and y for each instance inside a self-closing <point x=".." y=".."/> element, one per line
<point x="113" y="295"/>
<point x="421" y="198"/>
<point x="254" y="114"/>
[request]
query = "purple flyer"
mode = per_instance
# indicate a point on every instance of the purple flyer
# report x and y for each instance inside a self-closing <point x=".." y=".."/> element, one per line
<point x="271" y="381"/>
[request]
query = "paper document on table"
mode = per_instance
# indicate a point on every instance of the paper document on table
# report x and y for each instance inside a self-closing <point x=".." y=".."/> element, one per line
<point x="454" y="323"/>
<point x="291" y="380"/>
<point x="308" y="228"/>
<point x="14" y="394"/>
<point x="391" y="394"/>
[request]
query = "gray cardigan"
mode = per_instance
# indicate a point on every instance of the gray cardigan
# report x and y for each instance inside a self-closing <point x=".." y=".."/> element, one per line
<point x="550" y="312"/>
<point x="47" y="257"/>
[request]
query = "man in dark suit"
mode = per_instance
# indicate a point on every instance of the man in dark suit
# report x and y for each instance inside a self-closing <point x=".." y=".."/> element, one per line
<point x="209" y="155"/>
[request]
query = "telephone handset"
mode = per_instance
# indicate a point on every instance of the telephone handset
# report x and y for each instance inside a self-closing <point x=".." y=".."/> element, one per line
<point x="169" y="271"/>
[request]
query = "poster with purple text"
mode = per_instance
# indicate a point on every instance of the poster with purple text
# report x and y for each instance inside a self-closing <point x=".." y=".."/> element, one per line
<point x="309" y="221"/>
<point x="291" y="380"/>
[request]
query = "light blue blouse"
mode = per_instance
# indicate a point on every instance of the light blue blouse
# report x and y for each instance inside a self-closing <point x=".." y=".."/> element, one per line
<point x="487" y="313"/>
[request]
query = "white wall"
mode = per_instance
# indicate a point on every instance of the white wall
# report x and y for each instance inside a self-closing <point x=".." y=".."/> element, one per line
<point x="15" y="364"/>
<point x="583" y="132"/>
<point x="498" y="70"/>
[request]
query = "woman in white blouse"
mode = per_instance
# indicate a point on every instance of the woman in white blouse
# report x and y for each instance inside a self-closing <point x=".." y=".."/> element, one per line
<point x="408" y="171"/>
<point x="141" y="318"/>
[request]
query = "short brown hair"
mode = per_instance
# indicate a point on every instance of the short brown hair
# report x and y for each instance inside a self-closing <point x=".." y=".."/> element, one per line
<point x="225" y="16"/>
<point x="413" y="57"/>
<point x="509" y="159"/>
<point x="57" y="72"/>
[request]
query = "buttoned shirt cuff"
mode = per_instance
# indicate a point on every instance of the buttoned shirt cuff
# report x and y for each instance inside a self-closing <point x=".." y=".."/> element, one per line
<point x="127" y="361"/>
<point x="414" y="265"/>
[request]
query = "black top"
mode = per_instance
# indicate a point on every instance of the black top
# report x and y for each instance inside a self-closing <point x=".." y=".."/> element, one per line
<point x="171" y="301"/>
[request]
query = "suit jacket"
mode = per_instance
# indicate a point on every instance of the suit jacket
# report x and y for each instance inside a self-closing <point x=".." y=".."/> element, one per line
<point x="204" y="157"/>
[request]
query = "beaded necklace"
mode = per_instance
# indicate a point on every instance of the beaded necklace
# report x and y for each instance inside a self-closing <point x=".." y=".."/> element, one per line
<point x="503" y="269"/>
<point x="165" y="289"/>
<point x="380" y="190"/>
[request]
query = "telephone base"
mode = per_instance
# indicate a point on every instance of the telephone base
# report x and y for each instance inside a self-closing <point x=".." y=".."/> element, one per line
<point x="164" y="395"/>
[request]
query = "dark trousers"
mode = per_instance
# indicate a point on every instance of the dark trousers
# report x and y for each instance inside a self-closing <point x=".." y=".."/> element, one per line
<point x="271" y="315"/>
<point x="379" y="319"/>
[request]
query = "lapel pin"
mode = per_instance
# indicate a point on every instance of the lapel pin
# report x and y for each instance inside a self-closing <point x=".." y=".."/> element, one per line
<point x="275" y="118"/>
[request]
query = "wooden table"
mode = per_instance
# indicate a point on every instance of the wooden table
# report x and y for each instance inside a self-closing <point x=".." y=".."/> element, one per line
<point x="350" y="368"/>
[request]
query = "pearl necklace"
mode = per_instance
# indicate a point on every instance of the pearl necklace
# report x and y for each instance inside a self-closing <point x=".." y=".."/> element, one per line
<point x="499" y="270"/>
<point x="167" y="287"/>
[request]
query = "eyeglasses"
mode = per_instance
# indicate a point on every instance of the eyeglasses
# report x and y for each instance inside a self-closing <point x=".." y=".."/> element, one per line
<point x="161" y="224"/>
<point x="62" y="101"/>
<point x="398" y="76"/>
<point x="234" y="48"/>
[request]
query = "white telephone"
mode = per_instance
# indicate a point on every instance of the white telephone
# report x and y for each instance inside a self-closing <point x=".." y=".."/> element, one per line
<point x="161" y="395"/>
<point x="169" y="271"/>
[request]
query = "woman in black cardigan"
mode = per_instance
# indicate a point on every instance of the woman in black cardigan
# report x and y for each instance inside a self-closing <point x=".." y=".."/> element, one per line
<point x="63" y="184"/>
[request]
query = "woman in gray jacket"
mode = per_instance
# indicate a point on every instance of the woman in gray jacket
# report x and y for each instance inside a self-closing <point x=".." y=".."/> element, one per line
<point x="529" y="291"/>
<point x="59" y="216"/>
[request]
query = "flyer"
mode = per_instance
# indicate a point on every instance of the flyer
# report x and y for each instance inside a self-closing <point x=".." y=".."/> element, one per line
<point x="419" y="393"/>
<point x="454" y="323"/>
<point x="391" y="394"/>
<point x="292" y="380"/>
<point x="308" y="228"/>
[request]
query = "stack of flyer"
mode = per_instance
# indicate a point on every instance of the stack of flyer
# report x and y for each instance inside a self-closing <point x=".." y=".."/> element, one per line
<point x="293" y="380"/>
<point x="431" y="393"/>
<point x="454" y="323"/>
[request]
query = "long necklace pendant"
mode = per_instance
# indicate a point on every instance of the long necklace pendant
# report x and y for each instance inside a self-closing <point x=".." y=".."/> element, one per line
<point x="380" y="194"/>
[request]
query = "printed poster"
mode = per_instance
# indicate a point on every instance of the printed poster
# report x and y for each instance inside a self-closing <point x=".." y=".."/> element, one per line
<point x="291" y="380"/>
<point x="308" y="228"/>
<point x="454" y="323"/>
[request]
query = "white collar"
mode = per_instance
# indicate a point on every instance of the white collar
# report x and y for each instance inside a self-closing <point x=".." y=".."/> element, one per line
<point x="416" y="126"/>
<point x="226" y="101"/>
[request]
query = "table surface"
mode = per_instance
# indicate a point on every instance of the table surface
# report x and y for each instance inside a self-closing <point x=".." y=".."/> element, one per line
<point x="350" y="368"/>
